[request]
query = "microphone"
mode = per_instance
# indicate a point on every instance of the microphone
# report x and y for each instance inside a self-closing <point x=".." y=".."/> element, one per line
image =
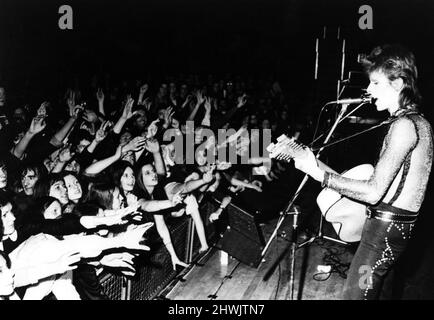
<point x="363" y="99"/>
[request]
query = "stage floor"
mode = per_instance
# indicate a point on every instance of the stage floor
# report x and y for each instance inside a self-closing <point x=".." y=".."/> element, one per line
<point x="222" y="277"/>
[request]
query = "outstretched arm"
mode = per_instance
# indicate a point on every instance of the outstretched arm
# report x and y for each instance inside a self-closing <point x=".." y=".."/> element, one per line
<point x="38" y="124"/>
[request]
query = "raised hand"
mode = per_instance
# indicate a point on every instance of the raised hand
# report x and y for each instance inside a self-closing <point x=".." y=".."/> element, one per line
<point x="199" y="97"/>
<point x="90" y="116"/>
<point x="127" y="112"/>
<point x="100" y="95"/>
<point x="152" y="129"/>
<point x="168" y="113"/>
<point x="147" y="103"/>
<point x="152" y="145"/>
<point x="102" y="132"/>
<point x="37" y="125"/>
<point x="214" y="216"/>
<point x="241" y="101"/>
<point x="42" y="110"/>
<point x="207" y="104"/>
<point x="135" y="144"/>
<point x="187" y="100"/>
<point x="75" y="112"/>
<point x="70" y="101"/>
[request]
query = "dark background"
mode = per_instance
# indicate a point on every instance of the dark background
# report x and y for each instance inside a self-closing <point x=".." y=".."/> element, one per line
<point x="136" y="38"/>
<point x="148" y="39"/>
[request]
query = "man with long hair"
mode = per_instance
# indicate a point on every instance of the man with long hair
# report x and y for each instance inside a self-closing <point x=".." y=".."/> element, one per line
<point x="395" y="191"/>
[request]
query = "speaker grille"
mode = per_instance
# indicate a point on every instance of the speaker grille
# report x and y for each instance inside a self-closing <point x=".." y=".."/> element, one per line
<point x="112" y="286"/>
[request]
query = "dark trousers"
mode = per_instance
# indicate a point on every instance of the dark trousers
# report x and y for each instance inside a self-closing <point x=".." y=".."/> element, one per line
<point x="381" y="245"/>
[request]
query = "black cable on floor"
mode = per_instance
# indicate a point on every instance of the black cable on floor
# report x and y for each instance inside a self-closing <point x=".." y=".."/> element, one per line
<point x="333" y="257"/>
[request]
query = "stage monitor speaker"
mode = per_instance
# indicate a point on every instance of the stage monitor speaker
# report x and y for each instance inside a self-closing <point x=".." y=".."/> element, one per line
<point x="243" y="238"/>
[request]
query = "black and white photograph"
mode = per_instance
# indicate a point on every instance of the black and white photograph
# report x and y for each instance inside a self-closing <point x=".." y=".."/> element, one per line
<point x="214" y="155"/>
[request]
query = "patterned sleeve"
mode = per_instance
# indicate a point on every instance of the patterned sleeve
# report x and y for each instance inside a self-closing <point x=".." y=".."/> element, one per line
<point x="399" y="142"/>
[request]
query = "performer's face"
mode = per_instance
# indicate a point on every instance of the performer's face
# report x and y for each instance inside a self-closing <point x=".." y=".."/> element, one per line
<point x="385" y="92"/>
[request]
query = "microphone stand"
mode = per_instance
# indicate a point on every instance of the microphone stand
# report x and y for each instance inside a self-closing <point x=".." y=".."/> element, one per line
<point x="327" y="139"/>
<point x="286" y="212"/>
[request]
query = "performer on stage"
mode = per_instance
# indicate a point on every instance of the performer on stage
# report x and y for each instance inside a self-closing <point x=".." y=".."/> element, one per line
<point x="396" y="189"/>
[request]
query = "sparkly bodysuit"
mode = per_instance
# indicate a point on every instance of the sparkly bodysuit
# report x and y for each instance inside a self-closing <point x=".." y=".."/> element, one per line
<point x="395" y="190"/>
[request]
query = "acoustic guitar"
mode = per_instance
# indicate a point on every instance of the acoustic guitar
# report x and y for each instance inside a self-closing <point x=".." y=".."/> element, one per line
<point x="346" y="215"/>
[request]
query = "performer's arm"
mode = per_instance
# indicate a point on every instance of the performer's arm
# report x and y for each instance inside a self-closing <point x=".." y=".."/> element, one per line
<point x="399" y="142"/>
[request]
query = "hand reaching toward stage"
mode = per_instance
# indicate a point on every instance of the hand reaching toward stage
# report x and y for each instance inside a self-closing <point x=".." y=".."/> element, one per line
<point x="133" y="237"/>
<point x="100" y="95"/>
<point x="241" y="101"/>
<point x="120" y="260"/>
<point x="37" y="125"/>
<point x="102" y="132"/>
<point x="67" y="262"/>
<point x="127" y="112"/>
<point x="152" y="129"/>
<point x="42" y="110"/>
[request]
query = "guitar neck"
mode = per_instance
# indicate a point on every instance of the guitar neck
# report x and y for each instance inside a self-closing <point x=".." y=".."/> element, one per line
<point x="287" y="148"/>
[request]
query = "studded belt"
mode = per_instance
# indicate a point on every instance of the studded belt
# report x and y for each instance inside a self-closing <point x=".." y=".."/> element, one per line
<point x="390" y="216"/>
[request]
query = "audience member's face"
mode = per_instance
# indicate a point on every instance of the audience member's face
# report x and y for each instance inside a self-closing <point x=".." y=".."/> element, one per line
<point x="59" y="191"/>
<point x="175" y="123"/>
<point x="73" y="166"/>
<point x="28" y="182"/>
<point x="125" y="138"/>
<point x="2" y="97"/>
<point x="141" y="119"/>
<point x="8" y="219"/>
<point x="6" y="279"/>
<point x="198" y="136"/>
<point x="200" y="157"/>
<point x="19" y="114"/>
<point x="246" y="120"/>
<point x="82" y="145"/>
<point x="253" y="120"/>
<point x="54" y="211"/>
<point x="284" y="115"/>
<point x="128" y="180"/>
<point x="149" y="175"/>
<point x="161" y="114"/>
<point x="3" y="177"/>
<point x="266" y="124"/>
<point x="74" y="188"/>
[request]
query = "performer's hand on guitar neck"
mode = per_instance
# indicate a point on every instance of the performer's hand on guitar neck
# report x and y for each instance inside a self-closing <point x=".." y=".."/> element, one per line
<point x="308" y="164"/>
